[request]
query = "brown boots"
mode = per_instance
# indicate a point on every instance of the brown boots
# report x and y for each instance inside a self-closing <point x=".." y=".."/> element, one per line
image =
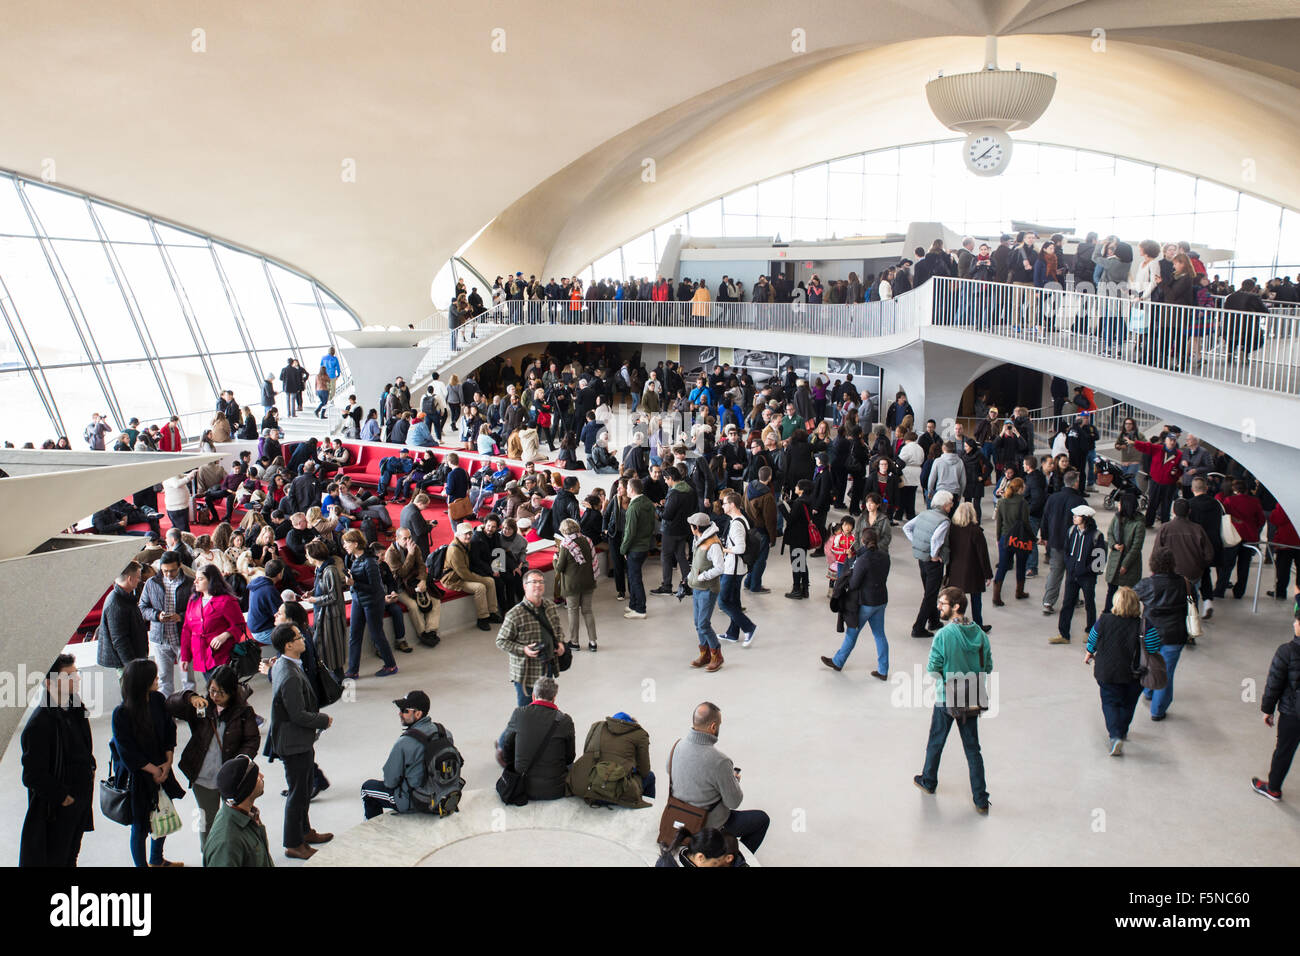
<point x="997" y="595"/>
<point x="716" y="662"/>
<point x="1021" y="593"/>
<point x="703" y="658"/>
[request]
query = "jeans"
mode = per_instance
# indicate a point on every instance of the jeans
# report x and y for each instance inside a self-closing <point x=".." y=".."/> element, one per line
<point x="1073" y="588"/>
<point x="635" y="584"/>
<point x="1007" y="556"/>
<point x="977" y="608"/>
<point x="1118" y="702"/>
<point x="374" y="623"/>
<point x="672" y="549"/>
<point x="167" y="657"/>
<point x="323" y="396"/>
<point x="139" y="831"/>
<point x="1092" y="474"/>
<point x="1288" y="736"/>
<point x="931" y="578"/>
<point x="940" y="724"/>
<point x="729" y="601"/>
<point x="1031" y="563"/>
<point x="1161" y="699"/>
<point x="1159" y="499"/>
<point x="704" y="601"/>
<point x="754" y="579"/>
<point x="872" y="615"/>
<point x="749" y="827"/>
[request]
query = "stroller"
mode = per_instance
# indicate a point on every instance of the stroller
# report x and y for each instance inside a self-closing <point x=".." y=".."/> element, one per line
<point x="1112" y="473"/>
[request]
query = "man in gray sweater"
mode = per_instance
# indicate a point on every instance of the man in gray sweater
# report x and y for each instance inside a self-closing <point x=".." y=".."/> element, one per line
<point x="948" y="473"/>
<point x="702" y="775"/>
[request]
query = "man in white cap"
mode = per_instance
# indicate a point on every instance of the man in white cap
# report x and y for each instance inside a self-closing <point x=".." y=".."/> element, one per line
<point x="1085" y="558"/>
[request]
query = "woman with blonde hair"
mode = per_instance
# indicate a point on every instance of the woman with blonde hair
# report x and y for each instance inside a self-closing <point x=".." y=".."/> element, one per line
<point x="1115" y="655"/>
<point x="968" y="559"/>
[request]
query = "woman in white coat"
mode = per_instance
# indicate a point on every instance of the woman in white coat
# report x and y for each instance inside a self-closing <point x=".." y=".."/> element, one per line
<point x="912" y="456"/>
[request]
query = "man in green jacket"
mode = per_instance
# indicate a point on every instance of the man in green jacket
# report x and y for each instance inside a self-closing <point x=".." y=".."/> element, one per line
<point x="638" y="539"/>
<point x="237" y="837"/>
<point x="959" y="655"/>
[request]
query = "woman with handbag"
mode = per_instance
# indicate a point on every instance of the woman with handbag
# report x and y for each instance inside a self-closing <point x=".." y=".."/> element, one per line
<point x="214" y="624"/>
<point x="222" y="725"/>
<point x="1164" y="601"/>
<point x="1014" y="536"/>
<point x="1124" y="548"/>
<point x="144" y="739"/>
<point x="969" y="567"/>
<point x="1115" y="651"/>
<point x="801" y="536"/>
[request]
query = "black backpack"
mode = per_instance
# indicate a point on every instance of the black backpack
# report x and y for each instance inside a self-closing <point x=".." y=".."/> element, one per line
<point x="436" y="562"/>
<point x="441" y="790"/>
<point x="753" y="542"/>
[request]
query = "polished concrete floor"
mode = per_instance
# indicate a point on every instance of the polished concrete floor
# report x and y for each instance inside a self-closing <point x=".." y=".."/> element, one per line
<point x="830" y="756"/>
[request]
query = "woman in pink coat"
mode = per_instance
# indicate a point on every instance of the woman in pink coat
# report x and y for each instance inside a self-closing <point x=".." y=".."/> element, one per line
<point x="214" y="624"/>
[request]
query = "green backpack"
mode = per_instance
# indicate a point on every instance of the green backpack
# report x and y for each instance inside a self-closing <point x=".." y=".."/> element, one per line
<point x="610" y="780"/>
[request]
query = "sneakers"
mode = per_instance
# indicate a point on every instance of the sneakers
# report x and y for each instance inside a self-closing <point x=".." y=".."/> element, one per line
<point x="633" y="615"/>
<point x="1047" y="609"/>
<point x="831" y="664"/>
<point x="386" y="671"/>
<point x="1261" y="788"/>
<point x="749" y="638"/>
<point x="1059" y="640"/>
<point x="1116" y="746"/>
<point x="724" y="636"/>
<point x="920" y="784"/>
<point x="621" y="597"/>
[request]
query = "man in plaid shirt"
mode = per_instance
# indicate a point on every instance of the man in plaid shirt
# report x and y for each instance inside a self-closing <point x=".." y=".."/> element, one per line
<point x="532" y="650"/>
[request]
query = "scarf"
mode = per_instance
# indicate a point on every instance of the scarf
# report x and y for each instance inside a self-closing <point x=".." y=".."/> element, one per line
<point x="570" y="544"/>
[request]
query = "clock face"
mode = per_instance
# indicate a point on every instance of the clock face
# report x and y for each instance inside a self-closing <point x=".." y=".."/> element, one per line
<point x="987" y="152"/>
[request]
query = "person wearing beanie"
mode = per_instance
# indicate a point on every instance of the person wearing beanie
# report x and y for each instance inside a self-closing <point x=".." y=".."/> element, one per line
<point x="237" y="836"/>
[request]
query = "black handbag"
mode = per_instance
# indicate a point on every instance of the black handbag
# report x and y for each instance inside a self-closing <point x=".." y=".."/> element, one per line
<point x="115" y="801"/>
<point x="329" y="689"/>
<point x="511" y="785"/>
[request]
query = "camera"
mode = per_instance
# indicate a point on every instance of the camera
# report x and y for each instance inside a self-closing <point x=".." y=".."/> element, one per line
<point x="433" y="523"/>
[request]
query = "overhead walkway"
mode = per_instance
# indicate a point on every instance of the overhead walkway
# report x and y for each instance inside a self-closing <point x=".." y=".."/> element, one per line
<point x="1238" y="387"/>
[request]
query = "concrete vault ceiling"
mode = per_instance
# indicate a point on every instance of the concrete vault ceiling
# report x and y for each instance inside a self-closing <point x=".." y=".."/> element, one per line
<point x="250" y="138"/>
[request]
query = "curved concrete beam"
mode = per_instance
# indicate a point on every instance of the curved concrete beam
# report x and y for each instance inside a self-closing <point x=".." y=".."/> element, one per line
<point x="42" y="504"/>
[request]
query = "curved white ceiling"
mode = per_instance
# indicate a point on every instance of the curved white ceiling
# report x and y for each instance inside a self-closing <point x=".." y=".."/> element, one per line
<point x="248" y="140"/>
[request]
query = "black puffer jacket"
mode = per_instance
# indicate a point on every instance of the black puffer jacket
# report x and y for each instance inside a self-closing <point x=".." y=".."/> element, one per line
<point x="1283" y="678"/>
<point x="1164" y="603"/>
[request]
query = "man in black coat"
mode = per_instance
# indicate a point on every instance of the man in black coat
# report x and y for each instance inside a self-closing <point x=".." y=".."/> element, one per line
<point x="680" y="504"/>
<point x="1002" y="259"/>
<point x="123" y="635"/>
<point x="305" y="489"/>
<point x="58" y="772"/>
<point x="898" y="411"/>
<point x="413" y="520"/>
<point x="1280" y="696"/>
<point x="1057" y="519"/>
<point x="1208" y="513"/>
<point x="1081" y="443"/>
<point x="566" y="504"/>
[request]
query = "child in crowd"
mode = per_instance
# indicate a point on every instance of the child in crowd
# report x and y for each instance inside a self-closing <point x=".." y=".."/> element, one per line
<point x="838" y="551"/>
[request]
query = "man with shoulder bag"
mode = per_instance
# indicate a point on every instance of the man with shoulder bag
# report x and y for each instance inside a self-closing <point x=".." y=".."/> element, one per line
<point x="704" y="786"/>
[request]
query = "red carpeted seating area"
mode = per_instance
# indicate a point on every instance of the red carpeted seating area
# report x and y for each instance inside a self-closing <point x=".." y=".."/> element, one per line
<point x="365" y="471"/>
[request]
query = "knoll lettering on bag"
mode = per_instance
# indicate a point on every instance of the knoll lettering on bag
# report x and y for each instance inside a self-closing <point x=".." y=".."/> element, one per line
<point x="75" y="909"/>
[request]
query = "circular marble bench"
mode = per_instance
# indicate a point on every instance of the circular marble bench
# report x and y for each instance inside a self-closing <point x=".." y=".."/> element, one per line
<point x="486" y="832"/>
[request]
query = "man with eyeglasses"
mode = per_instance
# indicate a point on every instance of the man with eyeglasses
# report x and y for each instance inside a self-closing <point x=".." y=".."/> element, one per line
<point x="404" y="768"/>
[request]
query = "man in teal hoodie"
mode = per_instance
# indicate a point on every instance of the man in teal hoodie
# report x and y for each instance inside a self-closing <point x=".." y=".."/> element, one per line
<point x="959" y="654"/>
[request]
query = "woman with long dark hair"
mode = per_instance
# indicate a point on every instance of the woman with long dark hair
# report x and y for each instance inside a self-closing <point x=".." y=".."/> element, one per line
<point x="1124" y="548"/>
<point x="144" y="738"/>
<point x="214" y="624"/>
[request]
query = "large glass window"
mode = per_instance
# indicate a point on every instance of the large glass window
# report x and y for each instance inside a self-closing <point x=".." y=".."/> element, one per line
<point x="64" y="290"/>
<point x="1077" y="191"/>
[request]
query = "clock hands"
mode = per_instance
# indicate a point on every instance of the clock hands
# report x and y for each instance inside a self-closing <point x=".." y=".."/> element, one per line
<point x="985" y="153"/>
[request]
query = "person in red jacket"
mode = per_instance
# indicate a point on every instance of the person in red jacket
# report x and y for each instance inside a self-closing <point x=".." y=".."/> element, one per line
<point x="214" y="624"/>
<point x="1283" y="534"/>
<point x="170" y="439"/>
<point x="1166" y="469"/>
<point x="1248" y="518"/>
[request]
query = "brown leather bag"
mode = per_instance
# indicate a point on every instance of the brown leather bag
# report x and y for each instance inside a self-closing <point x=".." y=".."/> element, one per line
<point x="460" y="509"/>
<point x="679" y="814"/>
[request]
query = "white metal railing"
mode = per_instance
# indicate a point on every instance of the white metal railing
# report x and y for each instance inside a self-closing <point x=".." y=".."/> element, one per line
<point x="1247" y="349"/>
